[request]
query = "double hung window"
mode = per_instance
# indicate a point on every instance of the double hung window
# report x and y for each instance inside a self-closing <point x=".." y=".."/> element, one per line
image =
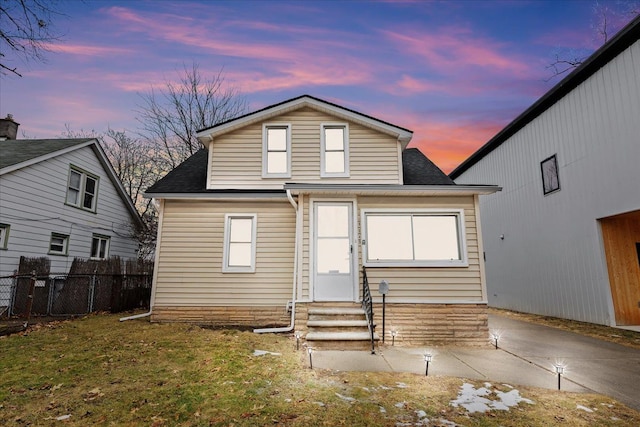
<point x="100" y="246"/>
<point x="82" y="189"/>
<point x="276" y="151"/>
<point x="239" y="243"/>
<point x="334" y="156"/>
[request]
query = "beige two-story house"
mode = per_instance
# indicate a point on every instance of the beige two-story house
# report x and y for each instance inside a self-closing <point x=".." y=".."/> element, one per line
<point x="294" y="214"/>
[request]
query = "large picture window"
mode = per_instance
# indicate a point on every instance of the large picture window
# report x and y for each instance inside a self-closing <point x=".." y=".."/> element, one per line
<point x="239" y="243"/>
<point x="414" y="238"/>
<point x="335" y="150"/>
<point x="276" y="151"/>
<point x="82" y="189"/>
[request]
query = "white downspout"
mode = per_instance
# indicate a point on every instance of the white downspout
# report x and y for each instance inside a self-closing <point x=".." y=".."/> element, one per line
<point x="295" y="275"/>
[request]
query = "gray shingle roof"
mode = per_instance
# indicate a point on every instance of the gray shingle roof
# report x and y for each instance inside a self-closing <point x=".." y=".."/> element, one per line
<point x="191" y="175"/>
<point x="15" y="151"/>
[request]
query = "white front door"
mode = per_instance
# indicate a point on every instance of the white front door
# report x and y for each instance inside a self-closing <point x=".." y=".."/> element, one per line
<point x="333" y="249"/>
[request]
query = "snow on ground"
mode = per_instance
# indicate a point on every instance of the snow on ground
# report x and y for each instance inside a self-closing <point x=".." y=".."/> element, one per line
<point x="485" y="399"/>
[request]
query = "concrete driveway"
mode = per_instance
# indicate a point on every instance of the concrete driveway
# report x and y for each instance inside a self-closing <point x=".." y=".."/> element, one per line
<point x="526" y="356"/>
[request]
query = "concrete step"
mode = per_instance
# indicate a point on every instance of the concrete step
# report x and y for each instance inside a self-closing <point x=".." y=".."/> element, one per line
<point x="340" y="336"/>
<point x="336" y="311"/>
<point x="338" y="323"/>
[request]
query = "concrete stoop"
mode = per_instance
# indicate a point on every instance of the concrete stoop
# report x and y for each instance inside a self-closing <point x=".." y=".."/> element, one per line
<point x="338" y="328"/>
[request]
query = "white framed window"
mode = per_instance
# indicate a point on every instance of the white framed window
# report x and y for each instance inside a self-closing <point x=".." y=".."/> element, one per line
<point x="59" y="244"/>
<point x="276" y="150"/>
<point x="239" y="243"/>
<point x="100" y="246"/>
<point x="417" y="238"/>
<point x="4" y="235"/>
<point x="334" y="150"/>
<point x="82" y="189"/>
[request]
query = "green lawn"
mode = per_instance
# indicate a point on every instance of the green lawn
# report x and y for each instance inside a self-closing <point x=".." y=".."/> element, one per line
<point x="98" y="371"/>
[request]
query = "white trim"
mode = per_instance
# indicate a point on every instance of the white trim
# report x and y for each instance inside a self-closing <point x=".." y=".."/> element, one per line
<point x="156" y="261"/>
<point x="483" y="275"/>
<point x="403" y="135"/>
<point x="265" y="149"/>
<point x="345" y="149"/>
<point x="209" y="163"/>
<point x="221" y="197"/>
<point x="65" y="244"/>
<point x="400" y="166"/>
<point x="227" y="235"/>
<point x="390" y="189"/>
<point x="462" y="237"/>
<point x="107" y="248"/>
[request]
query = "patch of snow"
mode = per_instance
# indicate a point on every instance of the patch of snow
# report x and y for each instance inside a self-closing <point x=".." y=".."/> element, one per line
<point x="443" y="422"/>
<point x="264" y="352"/>
<point x="322" y="405"/>
<point x="508" y="386"/>
<point x="488" y="385"/>
<point x="382" y="410"/>
<point x="421" y="414"/>
<point x="287" y="400"/>
<point x="584" y="408"/>
<point x="400" y="404"/>
<point x="366" y="389"/>
<point x="386" y="388"/>
<point x="63" y="417"/>
<point x="477" y="400"/>
<point x="345" y="398"/>
<point x="615" y="419"/>
<point x="401" y="385"/>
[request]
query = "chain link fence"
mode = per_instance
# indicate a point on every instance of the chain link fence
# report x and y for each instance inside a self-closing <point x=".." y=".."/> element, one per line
<point x="22" y="296"/>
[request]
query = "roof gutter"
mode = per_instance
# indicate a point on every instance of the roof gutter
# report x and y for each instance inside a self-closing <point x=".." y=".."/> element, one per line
<point x="295" y="272"/>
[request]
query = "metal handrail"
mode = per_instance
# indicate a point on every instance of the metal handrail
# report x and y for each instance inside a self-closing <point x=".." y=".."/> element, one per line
<point x="367" y="305"/>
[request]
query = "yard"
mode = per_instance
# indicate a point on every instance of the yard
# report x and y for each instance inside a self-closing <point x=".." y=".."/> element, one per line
<point x="98" y="371"/>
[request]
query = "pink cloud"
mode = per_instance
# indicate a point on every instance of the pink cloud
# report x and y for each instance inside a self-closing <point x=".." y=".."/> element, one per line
<point x="87" y="50"/>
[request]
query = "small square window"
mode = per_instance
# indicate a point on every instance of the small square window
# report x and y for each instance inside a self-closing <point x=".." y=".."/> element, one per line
<point x="550" y="175"/>
<point x="276" y="151"/>
<point x="4" y="235"/>
<point x="100" y="246"/>
<point x="59" y="244"/>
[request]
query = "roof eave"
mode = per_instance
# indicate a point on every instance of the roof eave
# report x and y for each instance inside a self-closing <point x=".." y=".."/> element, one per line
<point x="391" y="189"/>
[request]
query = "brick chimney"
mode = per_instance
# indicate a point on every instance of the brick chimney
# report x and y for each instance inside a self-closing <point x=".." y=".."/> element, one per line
<point x="8" y="128"/>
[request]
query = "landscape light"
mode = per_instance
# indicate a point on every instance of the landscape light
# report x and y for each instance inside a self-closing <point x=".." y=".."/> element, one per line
<point x="394" y="332"/>
<point x="297" y="335"/>
<point x="495" y="336"/>
<point x="310" y="350"/>
<point x="559" y="370"/>
<point x="427" y="358"/>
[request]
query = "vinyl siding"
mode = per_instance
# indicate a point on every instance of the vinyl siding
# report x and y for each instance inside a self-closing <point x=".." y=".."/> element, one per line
<point x="32" y="202"/>
<point x="415" y="284"/>
<point x="189" y="271"/>
<point x="237" y="156"/>
<point x="551" y="260"/>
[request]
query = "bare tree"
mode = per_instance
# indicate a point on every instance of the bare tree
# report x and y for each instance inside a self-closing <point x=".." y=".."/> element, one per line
<point x="26" y="31"/>
<point x="171" y="116"/>
<point x="603" y="25"/>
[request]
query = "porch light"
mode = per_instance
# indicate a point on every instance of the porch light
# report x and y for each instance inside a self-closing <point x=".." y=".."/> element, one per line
<point x="394" y="332"/>
<point x="560" y="371"/>
<point x="427" y="358"/>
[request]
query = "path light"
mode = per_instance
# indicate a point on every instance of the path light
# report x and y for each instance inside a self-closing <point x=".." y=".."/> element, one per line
<point x="495" y="336"/>
<point x="559" y="370"/>
<point x="394" y="332"/>
<point x="310" y="351"/>
<point x="297" y="334"/>
<point x="427" y="358"/>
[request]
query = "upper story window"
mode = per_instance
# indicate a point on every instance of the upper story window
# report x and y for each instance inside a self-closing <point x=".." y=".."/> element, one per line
<point x="550" y="175"/>
<point x="4" y="235"/>
<point x="82" y="189"/>
<point x="239" y="243"/>
<point x="276" y="151"/>
<point x="334" y="156"/>
<point x="417" y="238"/>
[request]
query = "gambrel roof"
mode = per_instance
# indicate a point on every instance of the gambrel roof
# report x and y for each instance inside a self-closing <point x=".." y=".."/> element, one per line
<point x="403" y="135"/>
<point x="625" y="38"/>
<point x="21" y="153"/>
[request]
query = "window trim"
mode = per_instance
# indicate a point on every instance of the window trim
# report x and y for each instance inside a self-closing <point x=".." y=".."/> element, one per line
<point x="462" y="237"/>
<point x="4" y="236"/>
<point x="265" y="150"/>
<point x="65" y="250"/>
<point x="553" y="159"/>
<point x="82" y="190"/>
<point x="107" y="248"/>
<point x="227" y="235"/>
<point x="345" y="149"/>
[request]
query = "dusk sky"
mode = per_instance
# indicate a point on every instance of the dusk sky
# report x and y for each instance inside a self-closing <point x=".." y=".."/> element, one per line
<point x="453" y="72"/>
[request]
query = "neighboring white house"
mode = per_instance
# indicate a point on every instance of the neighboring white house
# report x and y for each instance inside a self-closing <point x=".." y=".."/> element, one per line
<point x="61" y="199"/>
<point x="563" y="237"/>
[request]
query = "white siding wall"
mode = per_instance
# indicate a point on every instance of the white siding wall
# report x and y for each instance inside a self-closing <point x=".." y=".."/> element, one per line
<point x="32" y="202"/>
<point x="236" y="158"/>
<point x="551" y="260"/>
